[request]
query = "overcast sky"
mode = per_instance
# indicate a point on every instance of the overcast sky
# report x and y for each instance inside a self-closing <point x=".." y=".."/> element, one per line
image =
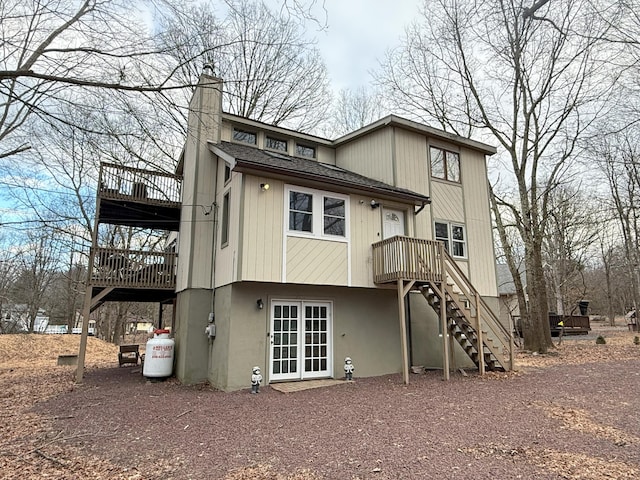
<point x="357" y="35"/>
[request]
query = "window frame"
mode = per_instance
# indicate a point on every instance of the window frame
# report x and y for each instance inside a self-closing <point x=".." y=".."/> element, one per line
<point x="246" y="132"/>
<point x="305" y="145"/>
<point x="271" y="137"/>
<point x="445" y="164"/>
<point x="317" y="214"/>
<point x="225" y="220"/>
<point x="227" y="173"/>
<point x="450" y="241"/>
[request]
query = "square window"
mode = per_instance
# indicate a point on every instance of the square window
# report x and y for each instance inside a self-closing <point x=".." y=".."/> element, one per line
<point x="334" y="216"/>
<point x="444" y="164"/>
<point x="300" y="212"/>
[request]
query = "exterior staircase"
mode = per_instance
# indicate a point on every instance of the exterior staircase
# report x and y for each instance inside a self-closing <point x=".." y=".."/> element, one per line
<point x="425" y="265"/>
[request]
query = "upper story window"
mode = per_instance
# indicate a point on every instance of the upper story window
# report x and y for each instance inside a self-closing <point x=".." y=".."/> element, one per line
<point x="227" y="172"/>
<point x="244" y="136"/>
<point x="305" y="151"/>
<point x="454" y="237"/>
<point x="316" y="213"/>
<point x="273" y="143"/>
<point x="445" y="164"/>
<point x="224" y="226"/>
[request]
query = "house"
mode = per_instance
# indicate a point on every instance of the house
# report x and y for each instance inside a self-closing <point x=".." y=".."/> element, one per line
<point x="297" y="251"/>
<point x="509" y="308"/>
<point x="290" y="252"/>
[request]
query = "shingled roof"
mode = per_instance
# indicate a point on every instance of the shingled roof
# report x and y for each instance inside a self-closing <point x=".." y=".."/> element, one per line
<point x="249" y="158"/>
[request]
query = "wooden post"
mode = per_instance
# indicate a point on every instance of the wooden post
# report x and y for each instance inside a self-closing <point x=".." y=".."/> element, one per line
<point x="403" y="333"/>
<point x="480" y="346"/>
<point x="443" y="314"/>
<point x="88" y="294"/>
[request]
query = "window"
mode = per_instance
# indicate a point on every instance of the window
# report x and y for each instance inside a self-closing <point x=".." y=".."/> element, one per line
<point x="300" y="211"/>
<point x="445" y="164"/>
<point x="227" y="172"/>
<point x="305" y="151"/>
<point x="244" y="136"/>
<point x="316" y="213"/>
<point x="454" y="237"/>
<point x="224" y="227"/>
<point x="334" y="223"/>
<point x="276" y="144"/>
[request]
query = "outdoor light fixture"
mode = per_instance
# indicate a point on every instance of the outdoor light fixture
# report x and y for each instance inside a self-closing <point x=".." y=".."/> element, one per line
<point x="264" y="187"/>
<point x="260" y="304"/>
<point x="374" y="204"/>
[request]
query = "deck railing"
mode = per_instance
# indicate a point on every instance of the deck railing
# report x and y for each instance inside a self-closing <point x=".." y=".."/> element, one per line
<point x="406" y="258"/>
<point x="127" y="183"/>
<point x="115" y="267"/>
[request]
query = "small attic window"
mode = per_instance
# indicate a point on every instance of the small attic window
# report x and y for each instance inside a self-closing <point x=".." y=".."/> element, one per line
<point x="244" y="136"/>
<point x="276" y="144"/>
<point x="305" y="151"/>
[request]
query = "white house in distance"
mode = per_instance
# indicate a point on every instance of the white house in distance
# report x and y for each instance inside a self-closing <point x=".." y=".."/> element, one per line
<point x="295" y="251"/>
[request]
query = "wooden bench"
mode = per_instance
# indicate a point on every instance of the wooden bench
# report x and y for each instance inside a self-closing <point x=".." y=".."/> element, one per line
<point x="128" y="354"/>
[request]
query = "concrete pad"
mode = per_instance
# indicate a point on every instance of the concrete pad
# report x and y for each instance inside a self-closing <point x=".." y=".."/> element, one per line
<point x="289" y="387"/>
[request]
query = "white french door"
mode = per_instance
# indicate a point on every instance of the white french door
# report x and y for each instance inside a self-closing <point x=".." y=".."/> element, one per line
<point x="300" y="340"/>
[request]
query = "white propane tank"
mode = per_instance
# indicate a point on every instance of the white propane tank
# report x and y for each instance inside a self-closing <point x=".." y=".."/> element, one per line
<point x="158" y="357"/>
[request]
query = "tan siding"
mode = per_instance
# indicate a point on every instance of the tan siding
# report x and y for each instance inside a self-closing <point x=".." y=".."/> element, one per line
<point x="370" y="156"/>
<point x="326" y="155"/>
<point x="316" y="261"/>
<point x="366" y="229"/>
<point x="447" y="201"/>
<point x="411" y="161"/>
<point x="227" y="257"/>
<point x="482" y="268"/>
<point x="262" y="230"/>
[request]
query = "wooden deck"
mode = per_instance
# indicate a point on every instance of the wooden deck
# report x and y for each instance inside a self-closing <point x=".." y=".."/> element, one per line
<point x="115" y="267"/>
<point x="406" y="258"/>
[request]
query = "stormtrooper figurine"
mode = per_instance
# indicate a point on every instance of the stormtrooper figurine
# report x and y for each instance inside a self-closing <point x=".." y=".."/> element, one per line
<point x="256" y="378"/>
<point x="348" y="369"/>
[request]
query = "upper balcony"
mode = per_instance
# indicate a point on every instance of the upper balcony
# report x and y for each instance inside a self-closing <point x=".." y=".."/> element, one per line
<point x="123" y="268"/>
<point x="406" y="258"/>
<point x="139" y="198"/>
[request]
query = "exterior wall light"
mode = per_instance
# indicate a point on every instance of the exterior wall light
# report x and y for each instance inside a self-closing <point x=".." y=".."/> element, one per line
<point x="264" y="187"/>
<point x="260" y="304"/>
<point x="374" y="204"/>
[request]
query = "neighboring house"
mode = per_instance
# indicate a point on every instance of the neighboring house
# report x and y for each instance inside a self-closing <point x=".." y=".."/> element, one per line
<point x="303" y="251"/>
<point x="296" y="251"/>
<point x="509" y="308"/>
<point x="16" y="320"/>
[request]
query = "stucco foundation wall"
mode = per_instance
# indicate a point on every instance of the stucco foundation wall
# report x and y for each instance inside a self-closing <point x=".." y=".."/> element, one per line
<point x="192" y="313"/>
<point x="218" y="351"/>
<point x="365" y="327"/>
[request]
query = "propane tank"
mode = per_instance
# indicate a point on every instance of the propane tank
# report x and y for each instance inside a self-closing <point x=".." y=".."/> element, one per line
<point x="158" y="358"/>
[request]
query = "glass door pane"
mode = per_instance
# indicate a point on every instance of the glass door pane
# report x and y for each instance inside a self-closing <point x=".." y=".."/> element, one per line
<point x="285" y="325"/>
<point x="317" y="334"/>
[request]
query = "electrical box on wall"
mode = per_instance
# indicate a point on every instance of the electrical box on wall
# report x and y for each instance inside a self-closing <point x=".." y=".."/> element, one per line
<point x="210" y="330"/>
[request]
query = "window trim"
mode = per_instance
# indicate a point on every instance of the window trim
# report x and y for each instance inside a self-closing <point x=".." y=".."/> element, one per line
<point x="450" y="241"/>
<point x="271" y="137"/>
<point x="444" y="163"/>
<point x="225" y="220"/>
<point x="241" y="130"/>
<point x="317" y="214"/>
<point x="306" y="145"/>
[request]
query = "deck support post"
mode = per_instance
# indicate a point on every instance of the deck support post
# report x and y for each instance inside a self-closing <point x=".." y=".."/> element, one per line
<point x="402" y="292"/>
<point x="443" y="313"/>
<point x="480" y="339"/>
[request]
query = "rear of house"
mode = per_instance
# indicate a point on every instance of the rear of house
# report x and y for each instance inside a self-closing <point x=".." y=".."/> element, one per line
<point x="297" y="251"/>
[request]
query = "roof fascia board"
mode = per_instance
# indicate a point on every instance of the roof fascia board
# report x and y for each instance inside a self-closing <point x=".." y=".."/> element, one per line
<point x="393" y="120"/>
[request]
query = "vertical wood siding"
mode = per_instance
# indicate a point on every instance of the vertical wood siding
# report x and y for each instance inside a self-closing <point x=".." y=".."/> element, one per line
<point x="263" y="229"/>
<point x="482" y="262"/>
<point x="316" y="261"/>
<point x="411" y="161"/>
<point x="371" y="156"/>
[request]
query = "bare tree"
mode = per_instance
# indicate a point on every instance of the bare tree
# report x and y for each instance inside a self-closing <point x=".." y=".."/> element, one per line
<point x="354" y="109"/>
<point x="272" y="72"/>
<point x="531" y="85"/>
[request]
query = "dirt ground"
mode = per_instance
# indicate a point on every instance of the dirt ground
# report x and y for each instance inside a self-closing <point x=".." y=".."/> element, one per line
<point x="571" y="414"/>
